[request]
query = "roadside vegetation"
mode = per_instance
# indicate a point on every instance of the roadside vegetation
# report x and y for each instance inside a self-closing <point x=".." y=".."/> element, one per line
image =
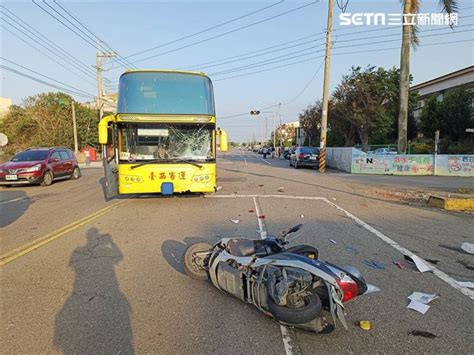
<point x="364" y="110"/>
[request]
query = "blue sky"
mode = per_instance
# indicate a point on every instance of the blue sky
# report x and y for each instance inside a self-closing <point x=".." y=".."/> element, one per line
<point x="130" y="27"/>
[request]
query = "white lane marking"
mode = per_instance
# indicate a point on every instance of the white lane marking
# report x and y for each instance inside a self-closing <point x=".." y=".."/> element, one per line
<point x="440" y="274"/>
<point x="443" y="276"/>
<point x="245" y="160"/>
<point x="288" y="342"/>
<point x="287" y="197"/>
<point x="14" y="200"/>
<point x="266" y="161"/>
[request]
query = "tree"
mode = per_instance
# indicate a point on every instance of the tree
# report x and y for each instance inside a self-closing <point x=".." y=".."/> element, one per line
<point x="363" y="97"/>
<point x="46" y="120"/>
<point x="409" y="36"/>
<point x="310" y="121"/>
<point x="451" y="115"/>
<point x="431" y="117"/>
<point x="456" y="113"/>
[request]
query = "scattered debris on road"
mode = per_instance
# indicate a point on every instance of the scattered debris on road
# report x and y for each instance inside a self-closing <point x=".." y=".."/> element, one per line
<point x="333" y="241"/>
<point x="251" y="211"/>
<point x="374" y="264"/>
<point x="419" y="301"/>
<point x="334" y="199"/>
<point x="422" y="333"/>
<point x="301" y="216"/>
<point x="261" y="185"/>
<point x="235" y="221"/>
<point x="352" y="249"/>
<point x="419" y="263"/>
<point x="281" y="189"/>
<point x="432" y="261"/>
<point x="218" y="188"/>
<point x="466" y="264"/>
<point x="365" y="324"/>
<point x="371" y="289"/>
<point x="261" y="216"/>
<point x="467" y="284"/>
<point x="468" y="247"/>
<point x="455" y="249"/>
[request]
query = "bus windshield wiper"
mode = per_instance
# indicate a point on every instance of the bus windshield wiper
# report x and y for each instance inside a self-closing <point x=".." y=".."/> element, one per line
<point x="166" y="160"/>
<point x="187" y="161"/>
<point x="147" y="162"/>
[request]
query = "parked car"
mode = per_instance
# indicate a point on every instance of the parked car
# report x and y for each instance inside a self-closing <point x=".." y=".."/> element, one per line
<point x="287" y="153"/>
<point x="305" y="156"/>
<point x="384" y="151"/>
<point x="39" y="166"/>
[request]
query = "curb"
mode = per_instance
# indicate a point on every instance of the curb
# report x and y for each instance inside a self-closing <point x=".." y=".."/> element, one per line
<point x="451" y="204"/>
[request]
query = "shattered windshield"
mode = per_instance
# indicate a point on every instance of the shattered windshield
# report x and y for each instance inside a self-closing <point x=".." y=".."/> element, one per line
<point x="142" y="142"/>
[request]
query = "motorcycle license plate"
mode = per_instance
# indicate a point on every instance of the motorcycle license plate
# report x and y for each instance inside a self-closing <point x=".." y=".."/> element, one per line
<point x="11" y="177"/>
<point x="312" y="158"/>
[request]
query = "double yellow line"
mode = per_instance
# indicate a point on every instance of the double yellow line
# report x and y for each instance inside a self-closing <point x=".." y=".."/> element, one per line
<point x="39" y="242"/>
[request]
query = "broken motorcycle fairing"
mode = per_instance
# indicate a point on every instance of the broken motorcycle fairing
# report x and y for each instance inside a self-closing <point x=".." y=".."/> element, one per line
<point x="288" y="284"/>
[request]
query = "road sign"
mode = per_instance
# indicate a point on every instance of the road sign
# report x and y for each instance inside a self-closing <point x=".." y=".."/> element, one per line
<point x="3" y="140"/>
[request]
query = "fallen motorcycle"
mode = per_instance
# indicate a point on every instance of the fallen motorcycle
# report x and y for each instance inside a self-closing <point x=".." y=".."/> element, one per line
<point x="289" y="284"/>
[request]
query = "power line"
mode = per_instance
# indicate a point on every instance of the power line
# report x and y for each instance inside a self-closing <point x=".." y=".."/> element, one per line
<point x="121" y="59"/>
<point x="65" y="25"/>
<point x="309" y="59"/>
<point x="225" y="33"/>
<point x="24" y="25"/>
<point x="243" y="56"/>
<point x="341" y="53"/>
<point x="287" y="57"/>
<point x="44" y="76"/>
<point x="40" y="51"/>
<point x="207" y="29"/>
<point x="46" y="83"/>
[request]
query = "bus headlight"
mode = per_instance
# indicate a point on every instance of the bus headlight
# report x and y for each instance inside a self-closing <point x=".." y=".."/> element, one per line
<point x="201" y="178"/>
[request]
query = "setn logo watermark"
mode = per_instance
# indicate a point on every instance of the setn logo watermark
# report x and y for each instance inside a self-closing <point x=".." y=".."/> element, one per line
<point x="395" y="19"/>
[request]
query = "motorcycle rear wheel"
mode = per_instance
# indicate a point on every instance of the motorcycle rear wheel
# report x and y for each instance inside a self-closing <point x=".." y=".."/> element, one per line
<point x="194" y="266"/>
<point x="300" y="315"/>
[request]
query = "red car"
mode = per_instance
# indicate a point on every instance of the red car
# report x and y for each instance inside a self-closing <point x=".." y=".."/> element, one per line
<point x="39" y="166"/>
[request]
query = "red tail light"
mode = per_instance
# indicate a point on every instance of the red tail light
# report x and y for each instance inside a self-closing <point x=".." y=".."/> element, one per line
<point x="301" y="156"/>
<point x="349" y="289"/>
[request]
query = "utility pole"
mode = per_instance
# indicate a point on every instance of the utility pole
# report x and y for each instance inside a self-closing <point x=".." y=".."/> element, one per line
<point x="74" y="126"/>
<point x="324" y="116"/>
<point x="98" y="65"/>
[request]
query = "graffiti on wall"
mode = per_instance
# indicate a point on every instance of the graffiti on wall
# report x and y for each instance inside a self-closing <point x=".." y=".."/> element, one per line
<point x="455" y="165"/>
<point x="392" y="164"/>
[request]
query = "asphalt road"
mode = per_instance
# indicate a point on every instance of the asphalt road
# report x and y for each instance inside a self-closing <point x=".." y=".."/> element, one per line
<point x="107" y="277"/>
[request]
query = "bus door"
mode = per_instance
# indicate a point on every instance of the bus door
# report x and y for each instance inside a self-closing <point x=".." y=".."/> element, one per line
<point x="108" y="140"/>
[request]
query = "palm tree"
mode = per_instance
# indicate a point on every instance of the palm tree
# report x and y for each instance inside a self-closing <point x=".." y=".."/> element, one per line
<point x="409" y="36"/>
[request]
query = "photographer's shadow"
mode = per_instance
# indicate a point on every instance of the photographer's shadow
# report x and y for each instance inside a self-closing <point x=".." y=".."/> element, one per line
<point x="96" y="316"/>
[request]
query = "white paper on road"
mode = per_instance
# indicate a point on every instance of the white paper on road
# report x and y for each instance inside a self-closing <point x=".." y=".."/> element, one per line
<point x="467" y="284"/>
<point x="418" y="306"/>
<point x="371" y="289"/>
<point x="420" y="264"/>
<point x="468" y="247"/>
<point x="235" y="221"/>
<point x="422" y="297"/>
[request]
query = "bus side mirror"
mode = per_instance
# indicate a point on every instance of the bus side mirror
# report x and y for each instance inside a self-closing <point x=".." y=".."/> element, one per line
<point x="223" y="143"/>
<point x="103" y="129"/>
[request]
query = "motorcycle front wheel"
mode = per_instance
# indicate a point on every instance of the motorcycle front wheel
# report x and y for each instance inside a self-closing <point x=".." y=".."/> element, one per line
<point x="195" y="261"/>
<point x="308" y="312"/>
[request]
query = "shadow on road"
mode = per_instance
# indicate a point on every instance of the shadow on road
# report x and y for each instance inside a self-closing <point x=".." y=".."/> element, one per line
<point x="96" y="316"/>
<point x="11" y="211"/>
<point x="173" y="250"/>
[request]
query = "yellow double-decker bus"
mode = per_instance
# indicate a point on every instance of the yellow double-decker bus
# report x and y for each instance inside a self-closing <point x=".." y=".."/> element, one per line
<point x="163" y="138"/>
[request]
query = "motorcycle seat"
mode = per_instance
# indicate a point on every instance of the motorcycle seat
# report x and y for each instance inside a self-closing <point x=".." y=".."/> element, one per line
<point x="243" y="247"/>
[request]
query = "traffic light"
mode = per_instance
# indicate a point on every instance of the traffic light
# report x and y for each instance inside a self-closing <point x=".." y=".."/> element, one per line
<point x="255" y="112"/>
